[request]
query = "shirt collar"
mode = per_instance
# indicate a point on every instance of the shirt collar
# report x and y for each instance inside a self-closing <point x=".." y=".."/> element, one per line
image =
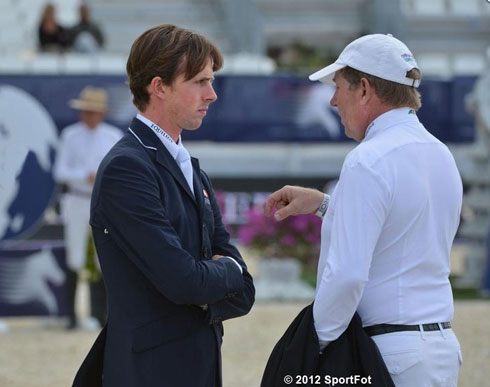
<point x="88" y="129"/>
<point x="173" y="147"/>
<point x="388" y="119"/>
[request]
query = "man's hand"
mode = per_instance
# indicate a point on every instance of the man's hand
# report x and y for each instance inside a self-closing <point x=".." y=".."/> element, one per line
<point x="291" y="200"/>
<point x="216" y="257"/>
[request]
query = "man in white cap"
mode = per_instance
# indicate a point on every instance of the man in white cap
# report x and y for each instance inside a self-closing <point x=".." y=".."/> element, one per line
<point x="83" y="145"/>
<point x="389" y="225"/>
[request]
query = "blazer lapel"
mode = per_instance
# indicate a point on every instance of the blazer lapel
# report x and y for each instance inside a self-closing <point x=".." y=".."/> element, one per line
<point x="163" y="157"/>
<point x="198" y="187"/>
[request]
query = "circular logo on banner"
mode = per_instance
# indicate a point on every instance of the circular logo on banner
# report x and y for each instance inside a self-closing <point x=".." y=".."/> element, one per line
<point x="28" y="143"/>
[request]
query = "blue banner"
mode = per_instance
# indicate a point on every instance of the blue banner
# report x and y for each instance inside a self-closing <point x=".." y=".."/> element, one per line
<point x="278" y="108"/>
<point x="32" y="278"/>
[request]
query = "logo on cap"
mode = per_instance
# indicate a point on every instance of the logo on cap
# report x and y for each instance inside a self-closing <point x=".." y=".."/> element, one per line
<point x="408" y="58"/>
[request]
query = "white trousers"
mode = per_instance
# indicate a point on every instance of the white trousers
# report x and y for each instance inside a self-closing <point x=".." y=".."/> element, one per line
<point x="76" y="213"/>
<point x="421" y="359"/>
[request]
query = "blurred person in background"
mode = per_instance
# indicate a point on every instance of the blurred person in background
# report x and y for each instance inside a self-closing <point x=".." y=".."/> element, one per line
<point x="86" y="36"/>
<point x="52" y="36"/>
<point x="172" y="276"/>
<point x="82" y="147"/>
<point x="390" y="223"/>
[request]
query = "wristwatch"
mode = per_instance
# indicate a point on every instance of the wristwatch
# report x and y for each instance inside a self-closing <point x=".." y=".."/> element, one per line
<point x="322" y="210"/>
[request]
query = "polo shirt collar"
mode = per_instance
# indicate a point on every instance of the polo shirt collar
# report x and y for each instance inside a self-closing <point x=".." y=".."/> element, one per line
<point x="389" y="119"/>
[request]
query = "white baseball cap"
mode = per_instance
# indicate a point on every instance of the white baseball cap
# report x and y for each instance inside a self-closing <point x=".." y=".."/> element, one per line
<point x="380" y="55"/>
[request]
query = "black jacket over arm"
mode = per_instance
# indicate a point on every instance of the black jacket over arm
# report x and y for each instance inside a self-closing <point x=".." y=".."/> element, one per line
<point x="298" y="353"/>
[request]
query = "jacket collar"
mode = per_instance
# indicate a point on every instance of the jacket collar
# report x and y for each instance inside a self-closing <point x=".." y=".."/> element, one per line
<point x="149" y="140"/>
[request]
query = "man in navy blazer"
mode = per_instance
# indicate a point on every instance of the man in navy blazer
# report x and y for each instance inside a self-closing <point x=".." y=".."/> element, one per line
<point x="171" y="274"/>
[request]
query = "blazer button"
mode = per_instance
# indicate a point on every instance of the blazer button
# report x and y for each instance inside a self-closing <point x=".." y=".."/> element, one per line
<point x="205" y="252"/>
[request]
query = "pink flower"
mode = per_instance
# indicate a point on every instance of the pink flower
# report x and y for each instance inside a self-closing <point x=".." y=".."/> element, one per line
<point x="296" y="237"/>
<point x="246" y="235"/>
<point x="300" y="223"/>
<point x="312" y="238"/>
<point x="288" y="240"/>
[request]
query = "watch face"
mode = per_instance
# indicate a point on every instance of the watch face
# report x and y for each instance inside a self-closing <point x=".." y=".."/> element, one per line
<point x="324" y="206"/>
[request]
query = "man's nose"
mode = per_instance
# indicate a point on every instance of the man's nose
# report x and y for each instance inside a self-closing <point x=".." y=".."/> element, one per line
<point x="211" y="95"/>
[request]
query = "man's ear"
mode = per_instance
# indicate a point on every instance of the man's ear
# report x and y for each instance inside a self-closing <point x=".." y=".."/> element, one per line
<point x="367" y="91"/>
<point x="157" y="88"/>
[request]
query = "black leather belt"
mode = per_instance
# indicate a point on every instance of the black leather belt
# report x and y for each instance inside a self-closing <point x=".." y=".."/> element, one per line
<point x="380" y="329"/>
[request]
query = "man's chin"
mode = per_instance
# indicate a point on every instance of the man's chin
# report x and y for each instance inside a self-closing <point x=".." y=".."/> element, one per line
<point x="194" y="125"/>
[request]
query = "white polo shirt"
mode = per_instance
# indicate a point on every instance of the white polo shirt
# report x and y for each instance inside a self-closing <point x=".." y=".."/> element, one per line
<point x="176" y="149"/>
<point x="388" y="231"/>
<point x="80" y="152"/>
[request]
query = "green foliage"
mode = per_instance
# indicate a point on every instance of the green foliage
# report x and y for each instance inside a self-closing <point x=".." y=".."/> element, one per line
<point x="308" y="276"/>
<point x="300" y="58"/>
<point x="91" y="265"/>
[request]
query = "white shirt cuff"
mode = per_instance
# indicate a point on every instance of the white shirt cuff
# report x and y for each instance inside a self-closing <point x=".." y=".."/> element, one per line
<point x="236" y="263"/>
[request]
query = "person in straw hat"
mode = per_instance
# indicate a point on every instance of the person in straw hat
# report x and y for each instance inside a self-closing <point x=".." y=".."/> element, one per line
<point x="389" y="225"/>
<point x="82" y="147"/>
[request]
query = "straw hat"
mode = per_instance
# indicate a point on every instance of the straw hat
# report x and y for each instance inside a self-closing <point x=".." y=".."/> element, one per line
<point x="92" y="99"/>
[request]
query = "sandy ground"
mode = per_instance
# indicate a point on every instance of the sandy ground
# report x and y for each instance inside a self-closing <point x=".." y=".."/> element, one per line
<point x="39" y="353"/>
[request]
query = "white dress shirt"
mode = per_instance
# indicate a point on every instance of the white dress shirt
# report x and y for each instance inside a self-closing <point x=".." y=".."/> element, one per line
<point x="80" y="152"/>
<point x="388" y="231"/>
<point x="179" y="153"/>
<point x="176" y="149"/>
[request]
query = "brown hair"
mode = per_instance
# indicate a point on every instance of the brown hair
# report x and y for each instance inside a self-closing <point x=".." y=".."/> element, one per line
<point x="393" y="93"/>
<point x="167" y="51"/>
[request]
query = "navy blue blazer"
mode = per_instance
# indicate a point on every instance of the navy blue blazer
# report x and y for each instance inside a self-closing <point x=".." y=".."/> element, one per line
<point x="155" y="241"/>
